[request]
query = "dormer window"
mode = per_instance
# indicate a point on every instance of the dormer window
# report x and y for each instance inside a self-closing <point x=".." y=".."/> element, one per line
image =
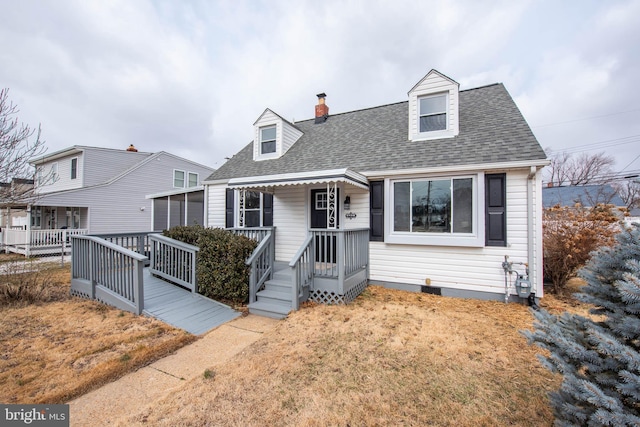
<point x="433" y="113"/>
<point x="268" y="140"/>
<point x="433" y="108"/>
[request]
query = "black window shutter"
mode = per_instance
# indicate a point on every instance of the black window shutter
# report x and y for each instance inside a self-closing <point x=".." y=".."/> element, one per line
<point x="495" y="187"/>
<point x="376" y="208"/>
<point x="229" y="208"/>
<point x="267" y="210"/>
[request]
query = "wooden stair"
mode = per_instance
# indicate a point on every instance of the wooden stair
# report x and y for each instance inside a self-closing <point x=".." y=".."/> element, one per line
<point x="275" y="299"/>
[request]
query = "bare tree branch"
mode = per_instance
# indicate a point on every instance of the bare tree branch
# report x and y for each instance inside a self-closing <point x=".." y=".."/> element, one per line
<point x="18" y="144"/>
<point x="582" y="170"/>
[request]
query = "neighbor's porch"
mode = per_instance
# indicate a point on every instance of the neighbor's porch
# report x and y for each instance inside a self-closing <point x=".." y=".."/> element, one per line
<point x="43" y="230"/>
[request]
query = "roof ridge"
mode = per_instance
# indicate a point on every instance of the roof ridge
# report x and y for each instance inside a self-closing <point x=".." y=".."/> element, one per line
<point x="394" y="103"/>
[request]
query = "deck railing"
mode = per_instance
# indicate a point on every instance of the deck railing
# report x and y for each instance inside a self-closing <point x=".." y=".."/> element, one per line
<point x="302" y="266"/>
<point x="32" y="240"/>
<point x="174" y="261"/>
<point x="106" y="272"/>
<point x="137" y="242"/>
<point x="261" y="263"/>
<point x="340" y="253"/>
<point x="256" y="233"/>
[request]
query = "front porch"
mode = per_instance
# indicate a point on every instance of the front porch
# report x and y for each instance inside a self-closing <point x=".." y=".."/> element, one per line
<point x="38" y="242"/>
<point x="331" y="267"/>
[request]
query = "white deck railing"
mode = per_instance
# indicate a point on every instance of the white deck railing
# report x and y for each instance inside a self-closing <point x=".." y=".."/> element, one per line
<point x="27" y="241"/>
<point x="174" y="261"/>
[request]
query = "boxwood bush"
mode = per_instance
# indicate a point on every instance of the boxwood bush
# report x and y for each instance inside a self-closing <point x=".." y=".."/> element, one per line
<point x="220" y="265"/>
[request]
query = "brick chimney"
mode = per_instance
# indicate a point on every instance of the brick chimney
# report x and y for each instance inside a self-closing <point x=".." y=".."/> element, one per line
<point x="322" y="110"/>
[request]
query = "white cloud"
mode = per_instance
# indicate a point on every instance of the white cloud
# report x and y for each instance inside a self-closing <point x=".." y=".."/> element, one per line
<point x="191" y="77"/>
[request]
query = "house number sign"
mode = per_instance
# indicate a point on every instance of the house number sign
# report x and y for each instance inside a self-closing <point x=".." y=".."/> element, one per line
<point x="350" y="215"/>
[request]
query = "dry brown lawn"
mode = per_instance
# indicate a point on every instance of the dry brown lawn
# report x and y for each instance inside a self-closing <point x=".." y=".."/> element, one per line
<point x="389" y="358"/>
<point x="60" y="347"/>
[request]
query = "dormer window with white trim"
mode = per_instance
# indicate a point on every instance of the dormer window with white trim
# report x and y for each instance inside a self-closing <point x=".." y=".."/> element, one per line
<point x="433" y="108"/>
<point x="433" y="112"/>
<point x="268" y="139"/>
<point x="273" y="136"/>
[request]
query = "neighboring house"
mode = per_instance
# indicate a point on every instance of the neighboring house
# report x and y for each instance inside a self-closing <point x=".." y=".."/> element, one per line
<point x="444" y="185"/>
<point x="98" y="190"/>
<point x="585" y="195"/>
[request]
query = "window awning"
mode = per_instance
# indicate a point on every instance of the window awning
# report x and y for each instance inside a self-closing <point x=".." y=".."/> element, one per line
<point x="301" y="178"/>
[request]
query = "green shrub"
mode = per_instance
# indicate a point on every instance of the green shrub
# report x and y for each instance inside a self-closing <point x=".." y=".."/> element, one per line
<point x="221" y="270"/>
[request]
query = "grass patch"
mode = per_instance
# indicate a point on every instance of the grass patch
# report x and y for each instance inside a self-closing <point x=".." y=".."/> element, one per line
<point x="389" y="358"/>
<point x="54" y="347"/>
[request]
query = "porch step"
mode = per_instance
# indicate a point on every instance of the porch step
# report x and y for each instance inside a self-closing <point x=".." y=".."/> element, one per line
<point x="275" y="299"/>
<point x="275" y="311"/>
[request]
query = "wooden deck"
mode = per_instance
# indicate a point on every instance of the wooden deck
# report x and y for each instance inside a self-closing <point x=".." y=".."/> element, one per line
<point x="181" y="308"/>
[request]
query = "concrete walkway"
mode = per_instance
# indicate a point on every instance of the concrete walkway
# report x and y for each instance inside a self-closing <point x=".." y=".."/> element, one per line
<point x="139" y="389"/>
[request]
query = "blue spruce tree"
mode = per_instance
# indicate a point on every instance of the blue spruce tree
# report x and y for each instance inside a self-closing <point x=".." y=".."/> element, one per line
<point x="599" y="356"/>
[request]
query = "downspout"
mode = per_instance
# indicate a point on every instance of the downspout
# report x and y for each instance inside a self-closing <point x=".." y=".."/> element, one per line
<point x="531" y="230"/>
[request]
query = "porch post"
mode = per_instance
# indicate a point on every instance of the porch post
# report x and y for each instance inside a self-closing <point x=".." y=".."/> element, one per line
<point x="28" y="235"/>
<point x="340" y="260"/>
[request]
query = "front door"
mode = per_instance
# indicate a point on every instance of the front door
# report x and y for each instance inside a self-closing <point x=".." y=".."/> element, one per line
<point x="326" y="243"/>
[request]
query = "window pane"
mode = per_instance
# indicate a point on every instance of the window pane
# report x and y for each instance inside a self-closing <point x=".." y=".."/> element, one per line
<point x="268" y="147"/>
<point x="268" y="134"/>
<point x="462" y="205"/>
<point x="252" y="219"/>
<point x="433" y="104"/>
<point x="193" y="179"/>
<point x="431" y="208"/>
<point x="178" y="179"/>
<point x="401" y="206"/>
<point x="435" y="122"/>
<point x="252" y="200"/>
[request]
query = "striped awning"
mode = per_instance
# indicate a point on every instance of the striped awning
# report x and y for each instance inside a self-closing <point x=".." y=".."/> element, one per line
<point x="301" y="178"/>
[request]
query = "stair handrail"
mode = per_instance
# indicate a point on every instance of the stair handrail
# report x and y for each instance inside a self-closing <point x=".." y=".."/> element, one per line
<point x="261" y="264"/>
<point x="302" y="268"/>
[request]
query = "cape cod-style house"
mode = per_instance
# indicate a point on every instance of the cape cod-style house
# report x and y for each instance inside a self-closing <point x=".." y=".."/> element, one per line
<point x="82" y="189"/>
<point x="429" y="195"/>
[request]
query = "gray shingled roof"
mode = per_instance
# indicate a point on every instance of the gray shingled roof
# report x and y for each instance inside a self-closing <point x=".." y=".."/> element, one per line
<point x="492" y="130"/>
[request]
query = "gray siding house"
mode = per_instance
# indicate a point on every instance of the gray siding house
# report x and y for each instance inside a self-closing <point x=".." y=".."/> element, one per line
<point x="443" y="185"/>
<point x="96" y="190"/>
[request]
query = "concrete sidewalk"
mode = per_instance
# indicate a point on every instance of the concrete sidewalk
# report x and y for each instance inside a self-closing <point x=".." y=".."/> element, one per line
<point x="134" y="391"/>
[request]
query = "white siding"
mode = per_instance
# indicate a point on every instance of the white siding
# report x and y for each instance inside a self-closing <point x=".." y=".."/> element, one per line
<point x="117" y="207"/>
<point x="290" y="220"/>
<point x="434" y="83"/>
<point x="286" y="135"/>
<point x="476" y="269"/>
<point x="359" y="206"/>
<point x="63" y="180"/>
<point x="289" y="136"/>
<point x="216" y="206"/>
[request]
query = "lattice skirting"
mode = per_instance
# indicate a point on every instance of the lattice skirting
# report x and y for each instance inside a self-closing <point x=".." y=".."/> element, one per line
<point x="77" y="293"/>
<point x="329" y="297"/>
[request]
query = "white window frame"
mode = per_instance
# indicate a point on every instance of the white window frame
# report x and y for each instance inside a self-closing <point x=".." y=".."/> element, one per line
<point x="72" y="169"/>
<point x="274" y="140"/>
<point x="473" y="239"/>
<point x="189" y="175"/>
<point x="244" y="210"/>
<point x="322" y="201"/>
<point x="444" y="95"/>
<point x="184" y="178"/>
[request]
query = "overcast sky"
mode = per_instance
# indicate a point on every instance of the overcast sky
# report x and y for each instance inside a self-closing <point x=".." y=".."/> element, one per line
<point x="191" y="77"/>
